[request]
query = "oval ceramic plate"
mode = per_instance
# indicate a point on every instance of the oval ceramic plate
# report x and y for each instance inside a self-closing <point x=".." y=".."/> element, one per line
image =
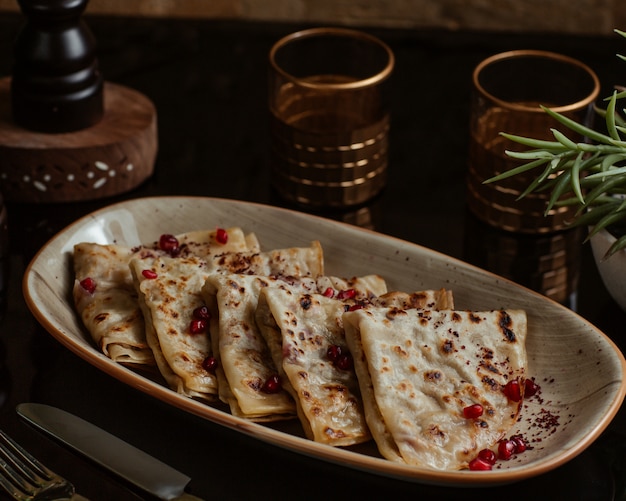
<point x="581" y="372"/>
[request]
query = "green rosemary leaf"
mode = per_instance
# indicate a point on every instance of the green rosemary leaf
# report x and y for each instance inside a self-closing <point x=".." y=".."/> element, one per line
<point x="564" y="140"/>
<point x="516" y="170"/>
<point x="576" y="127"/>
<point x="531" y="154"/>
<point x="535" y="143"/>
<point x="604" y="187"/>
<point x="610" y="118"/>
<point x="617" y="171"/>
<point x="589" y="217"/>
<point x="537" y="182"/>
<point x="605" y="222"/>
<point x="618" y="245"/>
<point x="619" y="143"/>
<point x="559" y="188"/>
<point x="575" y="177"/>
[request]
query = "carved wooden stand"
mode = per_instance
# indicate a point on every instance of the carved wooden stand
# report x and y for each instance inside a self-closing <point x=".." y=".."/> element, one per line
<point x="65" y="135"/>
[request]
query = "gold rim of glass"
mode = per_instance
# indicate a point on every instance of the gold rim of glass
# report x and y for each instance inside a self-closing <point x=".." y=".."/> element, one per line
<point x="590" y="98"/>
<point x="339" y="32"/>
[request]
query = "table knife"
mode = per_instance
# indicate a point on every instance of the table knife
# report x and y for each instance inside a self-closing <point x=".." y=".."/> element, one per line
<point x="110" y="452"/>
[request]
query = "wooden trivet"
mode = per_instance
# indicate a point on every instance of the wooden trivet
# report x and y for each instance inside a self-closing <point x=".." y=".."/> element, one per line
<point x="111" y="157"/>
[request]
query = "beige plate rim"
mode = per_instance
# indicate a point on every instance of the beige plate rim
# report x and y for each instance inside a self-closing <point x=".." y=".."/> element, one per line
<point x="47" y="280"/>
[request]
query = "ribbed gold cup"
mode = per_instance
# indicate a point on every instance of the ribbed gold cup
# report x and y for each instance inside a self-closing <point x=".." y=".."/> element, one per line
<point x="329" y="116"/>
<point x="508" y="89"/>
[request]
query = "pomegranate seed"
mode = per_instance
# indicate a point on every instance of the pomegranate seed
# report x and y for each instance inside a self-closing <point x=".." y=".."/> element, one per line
<point x="201" y="313"/>
<point x="478" y="464"/>
<point x="520" y="443"/>
<point x="530" y="388"/>
<point x="513" y="391"/>
<point x="149" y="274"/>
<point x="488" y="455"/>
<point x="272" y="385"/>
<point x="506" y="448"/>
<point x="355" y="307"/>
<point x="198" y="326"/>
<point x="340" y="358"/>
<point x="344" y="362"/>
<point x="169" y="243"/>
<point x="209" y="364"/>
<point x="473" y="411"/>
<point x="221" y="236"/>
<point x="333" y="352"/>
<point x="329" y="292"/>
<point x="346" y="294"/>
<point x="89" y="284"/>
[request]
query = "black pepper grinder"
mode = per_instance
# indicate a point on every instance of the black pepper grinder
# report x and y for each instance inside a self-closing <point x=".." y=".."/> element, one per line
<point x="56" y="85"/>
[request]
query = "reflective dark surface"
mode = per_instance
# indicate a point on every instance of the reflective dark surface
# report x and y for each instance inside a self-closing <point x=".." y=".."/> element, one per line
<point x="208" y="81"/>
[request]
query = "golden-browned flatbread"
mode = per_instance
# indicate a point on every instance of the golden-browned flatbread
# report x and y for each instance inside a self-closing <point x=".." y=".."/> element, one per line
<point x="295" y="261"/>
<point x="419" y="369"/>
<point x="243" y="362"/>
<point x="169" y="296"/>
<point x="302" y="330"/>
<point x="106" y="300"/>
<point x="105" y="296"/>
<point x="170" y="291"/>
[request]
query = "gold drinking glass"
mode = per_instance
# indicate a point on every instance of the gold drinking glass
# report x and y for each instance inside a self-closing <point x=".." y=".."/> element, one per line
<point x="508" y="89"/>
<point x="329" y="116"/>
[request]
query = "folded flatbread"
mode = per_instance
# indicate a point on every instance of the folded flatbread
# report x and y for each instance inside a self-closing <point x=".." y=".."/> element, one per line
<point x="168" y="293"/>
<point x="418" y="370"/>
<point x="111" y="312"/>
<point x="244" y="362"/>
<point x="294" y="261"/>
<point x="299" y="329"/>
<point x="172" y="291"/>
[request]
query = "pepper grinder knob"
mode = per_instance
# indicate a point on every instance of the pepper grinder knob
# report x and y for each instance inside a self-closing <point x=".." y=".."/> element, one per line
<point x="56" y="85"/>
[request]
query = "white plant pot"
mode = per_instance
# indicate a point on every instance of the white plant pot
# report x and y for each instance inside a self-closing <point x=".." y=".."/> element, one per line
<point x="612" y="269"/>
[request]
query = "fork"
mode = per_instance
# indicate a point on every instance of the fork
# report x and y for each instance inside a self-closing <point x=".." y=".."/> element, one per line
<point x="24" y="478"/>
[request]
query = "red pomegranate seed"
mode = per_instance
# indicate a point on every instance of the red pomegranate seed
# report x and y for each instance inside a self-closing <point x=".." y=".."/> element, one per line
<point x="506" y="448"/>
<point x="340" y="358"/>
<point x="209" y="364"/>
<point x="513" y="391"/>
<point x="272" y="385"/>
<point x="329" y="292"/>
<point x="530" y="388"/>
<point x="333" y="352"/>
<point x="149" y="274"/>
<point x="478" y="464"/>
<point x="201" y="313"/>
<point x="488" y="455"/>
<point x="344" y="362"/>
<point x="355" y="307"/>
<point x="473" y="411"/>
<point x="221" y="236"/>
<point x="198" y="326"/>
<point x="520" y="443"/>
<point x="89" y="284"/>
<point x="169" y="243"/>
<point x="346" y="294"/>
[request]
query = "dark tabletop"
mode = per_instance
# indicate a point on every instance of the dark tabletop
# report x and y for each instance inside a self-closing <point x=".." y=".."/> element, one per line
<point x="208" y="82"/>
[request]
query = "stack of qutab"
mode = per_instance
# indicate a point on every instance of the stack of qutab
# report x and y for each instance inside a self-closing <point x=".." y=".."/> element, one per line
<point x="268" y="333"/>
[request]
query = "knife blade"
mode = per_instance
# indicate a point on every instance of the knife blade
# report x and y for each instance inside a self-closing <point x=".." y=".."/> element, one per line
<point x="110" y="452"/>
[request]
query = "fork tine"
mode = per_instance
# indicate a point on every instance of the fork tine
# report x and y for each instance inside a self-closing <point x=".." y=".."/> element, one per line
<point x="14" y="481"/>
<point x="25" y="478"/>
<point x="23" y="460"/>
